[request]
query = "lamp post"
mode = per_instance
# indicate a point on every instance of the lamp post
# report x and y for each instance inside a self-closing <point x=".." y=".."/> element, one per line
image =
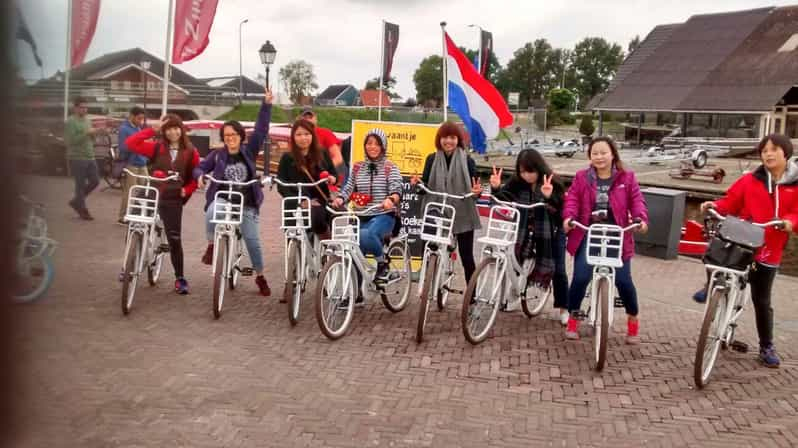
<point x="240" y="63"/>
<point x="146" y="66"/>
<point x="267" y="54"/>
<point x="479" y="46"/>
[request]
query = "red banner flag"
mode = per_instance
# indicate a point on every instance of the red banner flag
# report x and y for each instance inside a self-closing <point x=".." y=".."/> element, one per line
<point x="84" y="22"/>
<point x="193" y="20"/>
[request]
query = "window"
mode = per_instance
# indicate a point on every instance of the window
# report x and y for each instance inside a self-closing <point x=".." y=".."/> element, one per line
<point x="790" y="45"/>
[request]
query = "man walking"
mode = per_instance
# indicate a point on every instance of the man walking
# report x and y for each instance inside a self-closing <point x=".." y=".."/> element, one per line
<point x="79" y="139"/>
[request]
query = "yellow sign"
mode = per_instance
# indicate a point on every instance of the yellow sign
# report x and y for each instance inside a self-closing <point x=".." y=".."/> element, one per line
<point x="409" y="144"/>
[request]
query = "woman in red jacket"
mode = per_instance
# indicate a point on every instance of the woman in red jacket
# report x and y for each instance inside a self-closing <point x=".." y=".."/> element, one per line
<point x="171" y="151"/>
<point x="767" y="193"/>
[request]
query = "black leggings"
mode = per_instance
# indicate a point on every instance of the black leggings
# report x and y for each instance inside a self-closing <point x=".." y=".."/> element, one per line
<point x="761" y="280"/>
<point x="319" y="219"/>
<point x="172" y="216"/>
<point x="465" y="245"/>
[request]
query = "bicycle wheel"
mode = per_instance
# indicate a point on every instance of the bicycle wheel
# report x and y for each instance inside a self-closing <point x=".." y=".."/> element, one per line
<point x="481" y="301"/>
<point x="292" y="291"/>
<point x="154" y="268"/>
<point x="33" y="278"/>
<point x="335" y="298"/>
<point x="602" y="324"/>
<point x="706" y="350"/>
<point x="535" y="299"/>
<point x="220" y="275"/>
<point x="130" y="276"/>
<point x="443" y="288"/>
<point x="395" y="292"/>
<point x="426" y="289"/>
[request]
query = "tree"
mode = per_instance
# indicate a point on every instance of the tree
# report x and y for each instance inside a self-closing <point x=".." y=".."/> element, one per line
<point x="595" y="62"/>
<point x="533" y="71"/>
<point x="633" y="44"/>
<point x="586" y="126"/>
<point x="387" y="84"/>
<point x="561" y="99"/>
<point x="428" y="79"/>
<point x="298" y="79"/>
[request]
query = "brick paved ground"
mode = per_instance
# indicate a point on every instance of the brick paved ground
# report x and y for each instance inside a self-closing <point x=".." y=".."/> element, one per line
<point x="170" y="375"/>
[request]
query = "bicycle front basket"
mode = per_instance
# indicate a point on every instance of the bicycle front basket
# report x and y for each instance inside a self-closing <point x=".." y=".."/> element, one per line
<point x="728" y="254"/>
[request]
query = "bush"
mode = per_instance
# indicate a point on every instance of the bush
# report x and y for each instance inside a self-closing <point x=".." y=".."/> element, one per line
<point x="586" y="126"/>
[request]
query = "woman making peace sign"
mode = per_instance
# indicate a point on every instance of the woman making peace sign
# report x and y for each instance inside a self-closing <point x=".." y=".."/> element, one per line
<point x="540" y="232"/>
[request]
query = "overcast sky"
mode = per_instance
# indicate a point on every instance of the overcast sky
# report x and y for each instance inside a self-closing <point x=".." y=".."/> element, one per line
<point x="341" y="37"/>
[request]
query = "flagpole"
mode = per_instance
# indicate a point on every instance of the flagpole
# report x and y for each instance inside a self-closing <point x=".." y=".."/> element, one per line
<point x="168" y="59"/>
<point x="382" y="71"/>
<point x="68" y="63"/>
<point x="445" y="78"/>
<point x="479" y="53"/>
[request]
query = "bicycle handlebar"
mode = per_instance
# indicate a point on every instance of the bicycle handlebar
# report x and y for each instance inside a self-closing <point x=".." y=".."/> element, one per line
<point x="773" y="223"/>
<point x="272" y="179"/>
<point x="357" y="212"/>
<point x="174" y="176"/>
<point x="636" y="224"/>
<point x="232" y="182"/>
<point x="445" y="195"/>
<point x="516" y="204"/>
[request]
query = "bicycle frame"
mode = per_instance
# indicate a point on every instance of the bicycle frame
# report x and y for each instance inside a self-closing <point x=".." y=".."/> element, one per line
<point x="34" y="240"/>
<point x="735" y="284"/>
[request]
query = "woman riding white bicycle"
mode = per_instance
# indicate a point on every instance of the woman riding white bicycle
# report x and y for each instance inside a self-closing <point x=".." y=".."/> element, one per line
<point x="236" y="163"/>
<point x="606" y="189"/>
<point x="173" y="151"/>
<point x="450" y="169"/>
<point x="767" y="193"/>
<point x="374" y="181"/>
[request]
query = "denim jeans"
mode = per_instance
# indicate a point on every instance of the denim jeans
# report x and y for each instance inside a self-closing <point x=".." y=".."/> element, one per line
<point x="249" y="231"/>
<point x="373" y="231"/>
<point x="583" y="273"/>
<point x="86" y="180"/>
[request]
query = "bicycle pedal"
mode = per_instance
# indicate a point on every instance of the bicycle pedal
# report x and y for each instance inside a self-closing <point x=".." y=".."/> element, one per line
<point x="618" y="303"/>
<point x="739" y="346"/>
<point x="246" y="272"/>
<point x="579" y="315"/>
<point x="163" y="248"/>
<point x="454" y="291"/>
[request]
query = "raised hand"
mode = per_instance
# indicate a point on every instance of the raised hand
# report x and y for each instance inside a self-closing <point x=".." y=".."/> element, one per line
<point x="267" y="96"/>
<point x="496" y="177"/>
<point x="547" y="188"/>
<point x="476" y="187"/>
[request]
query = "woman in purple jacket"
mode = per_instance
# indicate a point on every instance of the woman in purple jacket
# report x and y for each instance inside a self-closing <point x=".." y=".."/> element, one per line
<point x="236" y="162"/>
<point x="605" y="192"/>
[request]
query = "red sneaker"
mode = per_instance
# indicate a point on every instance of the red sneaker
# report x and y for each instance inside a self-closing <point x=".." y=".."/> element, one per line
<point x="572" y="331"/>
<point x="632" y="329"/>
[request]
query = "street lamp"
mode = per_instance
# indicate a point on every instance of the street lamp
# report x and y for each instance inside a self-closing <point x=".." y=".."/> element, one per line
<point x="146" y="66"/>
<point x="267" y="55"/>
<point x="240" y="63"/>
<point x="479" y="46"/>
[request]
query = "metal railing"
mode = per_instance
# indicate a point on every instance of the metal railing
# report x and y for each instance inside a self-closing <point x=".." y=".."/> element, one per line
<point x="124" y="92"/>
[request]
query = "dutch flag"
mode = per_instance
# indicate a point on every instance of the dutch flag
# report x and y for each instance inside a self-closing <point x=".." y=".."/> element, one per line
<point x="475" y="99"/>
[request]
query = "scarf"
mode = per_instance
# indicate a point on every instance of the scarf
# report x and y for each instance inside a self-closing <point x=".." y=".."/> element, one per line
<point x="539" y="234"/>
<point x="454" y="178"/>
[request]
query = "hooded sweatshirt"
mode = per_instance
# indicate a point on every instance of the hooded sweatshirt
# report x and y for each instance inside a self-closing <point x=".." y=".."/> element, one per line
<point x="378" y="178"/>
<point x="758" y="198"/>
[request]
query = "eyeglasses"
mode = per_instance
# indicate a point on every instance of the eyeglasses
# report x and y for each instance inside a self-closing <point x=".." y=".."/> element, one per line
<point x="230" y="135"/>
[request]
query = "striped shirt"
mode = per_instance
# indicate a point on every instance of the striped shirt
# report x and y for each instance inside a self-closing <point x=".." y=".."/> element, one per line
<point x="379" y="182"/>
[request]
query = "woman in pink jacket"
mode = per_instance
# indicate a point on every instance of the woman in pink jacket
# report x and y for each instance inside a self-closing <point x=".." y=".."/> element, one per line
<point x="604" y="192"/>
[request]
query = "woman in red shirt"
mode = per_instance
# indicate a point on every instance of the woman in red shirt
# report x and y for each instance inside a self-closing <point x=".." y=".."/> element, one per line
<point x="172" y="151"/>
<point x="767" y="193"/>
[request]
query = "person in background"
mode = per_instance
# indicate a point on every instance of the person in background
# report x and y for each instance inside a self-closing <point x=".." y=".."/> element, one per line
<point x="134" y="163"/>
<point x="328" y="142"/>
<point x="79" y="139"/>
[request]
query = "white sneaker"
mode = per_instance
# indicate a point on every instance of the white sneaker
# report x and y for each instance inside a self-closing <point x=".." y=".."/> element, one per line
<point x="564" y="317"/>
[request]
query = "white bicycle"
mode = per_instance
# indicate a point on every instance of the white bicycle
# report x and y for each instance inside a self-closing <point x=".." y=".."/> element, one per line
<point x="728" y="260"/>
<point x="34" y="264"/>
<point x="227" y="214"/>
<point x="499" y="269"/>
<point x="437" y="265"/>
<point x="604" y="249"/>
<point x="338" y="288"/>
<point x="302" y="248"/>
<point x="146" y="243"/>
